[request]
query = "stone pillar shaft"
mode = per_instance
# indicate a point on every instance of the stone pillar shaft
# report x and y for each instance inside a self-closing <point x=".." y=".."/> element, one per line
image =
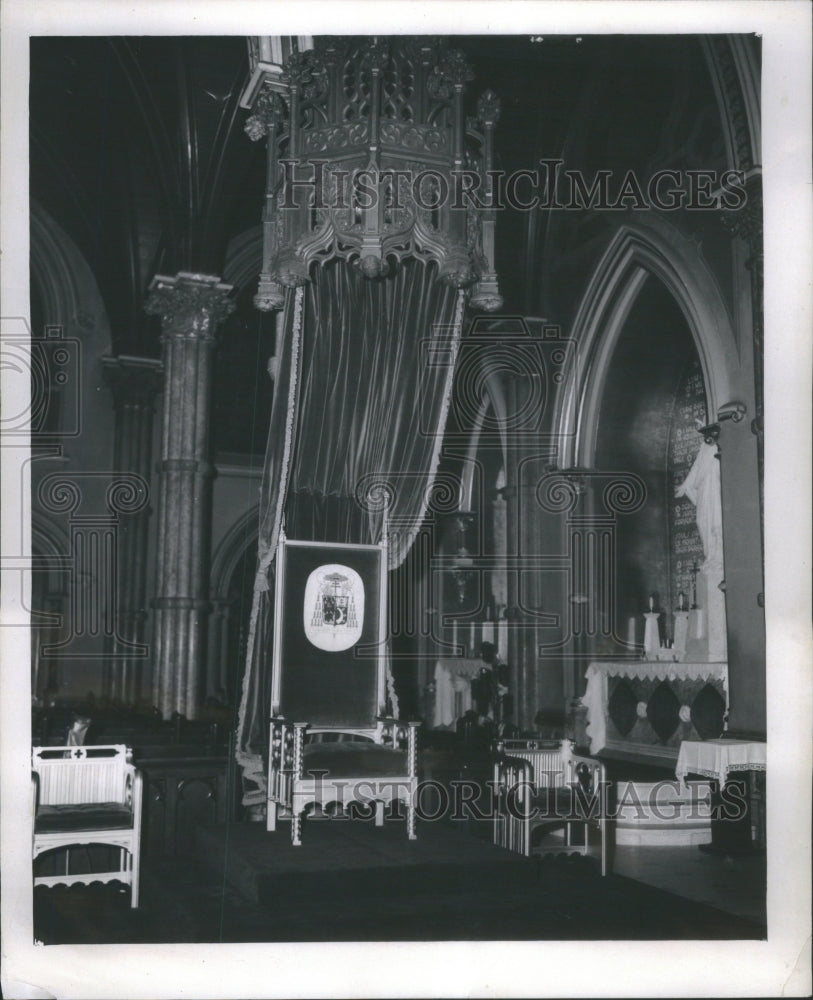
<point x="134" y="383"/>
<point x="190" y="307"/>
<point x="513" y="514"/>
<point x="746" y="224"/>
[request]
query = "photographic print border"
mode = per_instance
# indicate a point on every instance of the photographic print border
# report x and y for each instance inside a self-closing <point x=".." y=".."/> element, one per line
<point x="720" y="968"/>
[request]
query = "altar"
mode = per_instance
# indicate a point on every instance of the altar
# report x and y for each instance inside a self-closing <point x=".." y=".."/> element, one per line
<point x="453" y="697"/>
<point x="647" y="708"/>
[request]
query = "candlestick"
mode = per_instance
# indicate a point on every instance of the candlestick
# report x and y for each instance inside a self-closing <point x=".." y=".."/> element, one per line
<point x="631" y="631"/>
<point x="698" y="625"/>
<point x="652" y="639"/>
<point x="681" y="632"/>
<point x="502" y="639"/>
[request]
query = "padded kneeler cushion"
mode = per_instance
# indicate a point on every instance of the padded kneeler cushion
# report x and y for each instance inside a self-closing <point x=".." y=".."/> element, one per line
<point x="354" y="760"/>
<point x="87" y="816"/>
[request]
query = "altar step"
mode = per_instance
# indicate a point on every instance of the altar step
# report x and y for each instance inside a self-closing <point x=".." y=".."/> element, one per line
<point x="662" y="813"/>
<point x="340" y="860"/>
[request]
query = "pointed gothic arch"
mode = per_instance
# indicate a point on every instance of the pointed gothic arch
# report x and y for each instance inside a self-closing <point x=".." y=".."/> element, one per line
<point x="657" y="248"/>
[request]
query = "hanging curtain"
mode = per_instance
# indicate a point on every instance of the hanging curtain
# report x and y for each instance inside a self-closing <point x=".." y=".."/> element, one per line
<point x="255" y="701"/>
<point x="376" y="375"/>
<point x="365" y="371"/>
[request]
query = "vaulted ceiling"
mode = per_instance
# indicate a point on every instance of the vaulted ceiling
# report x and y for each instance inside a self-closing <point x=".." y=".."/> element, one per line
<point x="138" y="152"/>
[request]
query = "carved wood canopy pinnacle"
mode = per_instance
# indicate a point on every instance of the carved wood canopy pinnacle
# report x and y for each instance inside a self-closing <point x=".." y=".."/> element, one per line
<point x="268" y="112"/>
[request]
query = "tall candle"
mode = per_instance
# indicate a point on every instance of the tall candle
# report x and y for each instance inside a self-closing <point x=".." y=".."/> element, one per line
<point x="652" y="640"/>
<point x="631" y="631"/>
<point x="651" y="602"/>
<point x="681" y="632"/>
<point x="502" y="639"/>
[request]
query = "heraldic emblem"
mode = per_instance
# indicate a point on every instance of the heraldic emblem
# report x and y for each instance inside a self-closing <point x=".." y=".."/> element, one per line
<point x="333" y="609"/>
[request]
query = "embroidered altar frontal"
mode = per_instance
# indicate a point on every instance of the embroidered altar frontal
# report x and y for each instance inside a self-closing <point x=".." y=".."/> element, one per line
<point x="649" y="707"/>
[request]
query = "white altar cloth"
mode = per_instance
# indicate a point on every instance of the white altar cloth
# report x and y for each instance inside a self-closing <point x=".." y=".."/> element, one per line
<point x="453" y="689"/>
<point x="718" y="758"/>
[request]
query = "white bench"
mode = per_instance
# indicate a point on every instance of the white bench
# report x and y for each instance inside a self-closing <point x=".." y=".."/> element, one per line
<point x="87" y="795"/>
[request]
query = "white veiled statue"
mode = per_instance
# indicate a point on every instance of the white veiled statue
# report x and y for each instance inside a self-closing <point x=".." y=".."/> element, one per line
<point x="702" y="487"/>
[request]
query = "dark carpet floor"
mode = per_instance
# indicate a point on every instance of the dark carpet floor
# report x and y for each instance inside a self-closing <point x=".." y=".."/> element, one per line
<point x="353" y="882"/>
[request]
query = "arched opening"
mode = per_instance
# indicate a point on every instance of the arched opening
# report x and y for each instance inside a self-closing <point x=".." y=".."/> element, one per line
<point x="72" y="416"/>
<point x="652" y="315"/>
<point x="461" y="564"/>
<point x="657" y="358"/>
<point x="657" y="249"/>
<point x="654" y="393"/>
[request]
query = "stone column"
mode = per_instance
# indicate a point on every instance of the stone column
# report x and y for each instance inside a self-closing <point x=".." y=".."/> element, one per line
<point x="190" y="307"/>
<point x="747" y="225"/>
<point x="579" y="549"/>
<point x="513" y="514"/>
<point x="516" y="389"/>
<point x="134" y="383"/>
<point x="742" y="462"/>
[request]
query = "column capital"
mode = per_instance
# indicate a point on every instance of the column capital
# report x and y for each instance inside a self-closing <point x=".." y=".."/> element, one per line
<point x="133" y="380"/>
<point x="189" y="305"/>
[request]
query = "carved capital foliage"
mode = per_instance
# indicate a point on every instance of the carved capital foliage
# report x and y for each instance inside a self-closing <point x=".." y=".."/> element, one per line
<point x="306" y="71"/>
<point x="489" y="108"/>
<point x="332" y="51"/>
<point x="454" y="68"/>
<point x="422" y="48"/>
<point x="452" y="71"/>
<point x="374" y="53"/>
<point x="189" y="304"/>
<point x="268" y="113"/>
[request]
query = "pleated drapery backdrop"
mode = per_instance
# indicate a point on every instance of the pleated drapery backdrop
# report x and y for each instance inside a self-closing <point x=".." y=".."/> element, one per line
<point x="363" y="378"/>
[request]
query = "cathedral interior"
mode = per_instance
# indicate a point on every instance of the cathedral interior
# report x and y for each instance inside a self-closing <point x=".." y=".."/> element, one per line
<point x="467" y="334"/>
